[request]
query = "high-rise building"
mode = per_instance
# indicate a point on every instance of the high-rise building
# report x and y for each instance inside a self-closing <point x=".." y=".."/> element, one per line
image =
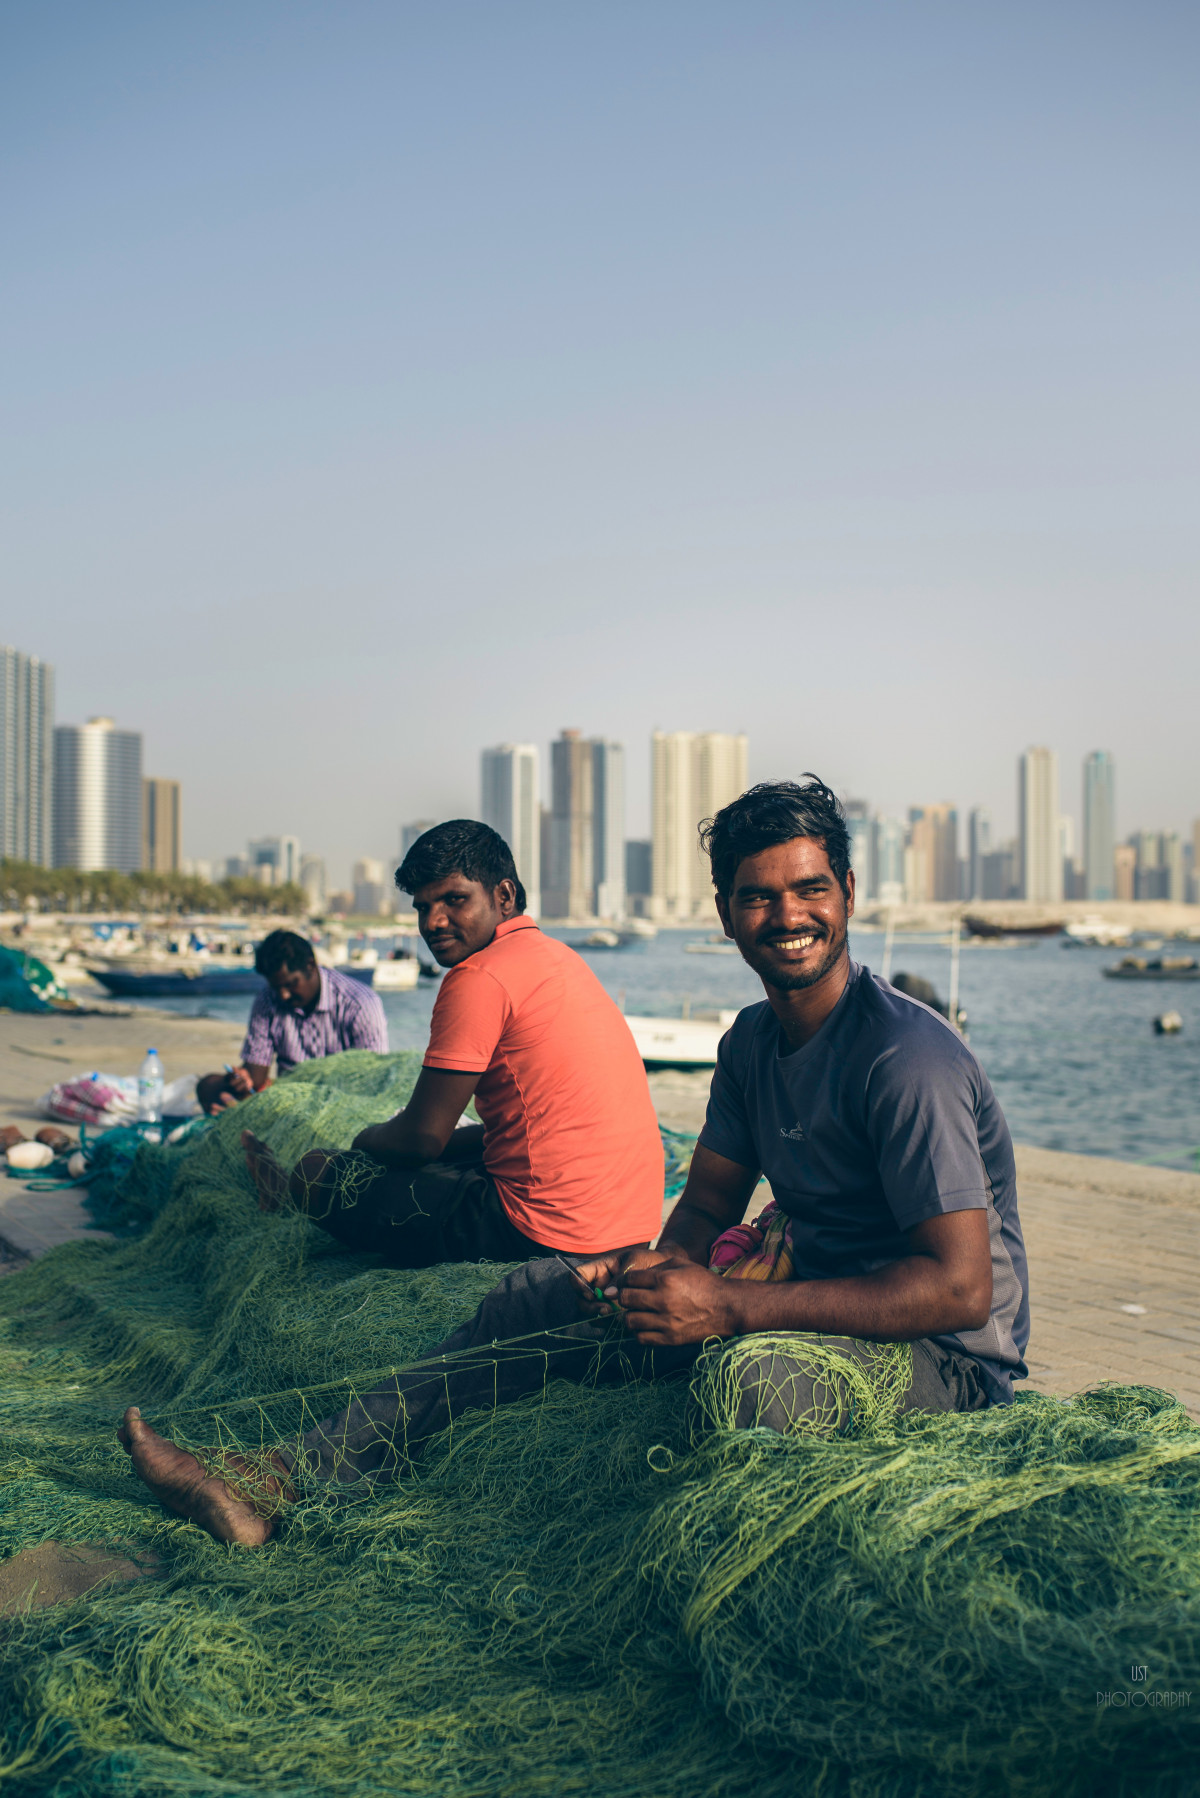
<point x="1099" y="824"/>
<point x="275" y="860"/>
<point x="638" y="863"/>
<point x="312" y="879"/>
<point x="370" y="893"/>
<point x="979" y="844"/>
<point x="1124" y="871"/>
<point x="999" y="875"/>
<point x="1150" y="872"/>
<point x="410" y="832"/>
<point x="861" y="827"/>
<point x="97" y="797"/>
<point x="568" y="879"/>
<point x="1038" y="812"/>
<point x="932" y="864"/>
<point x="1175" y="883"/>
<point x="889" y="861"/>
<point x="608" y="828"/>
<point x="1074" y="885"/>
<point x="161" y="826"/>
<point x="26" y="758"/>
<point x="509" y="802"/>
<point x="692" y="775"/>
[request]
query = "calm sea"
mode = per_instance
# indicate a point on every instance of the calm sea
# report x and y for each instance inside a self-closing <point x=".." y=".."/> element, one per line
<point x="1073" y="1057"/>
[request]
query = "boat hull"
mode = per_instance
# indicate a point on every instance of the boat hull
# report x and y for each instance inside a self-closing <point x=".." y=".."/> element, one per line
<point x="126" y="983"/>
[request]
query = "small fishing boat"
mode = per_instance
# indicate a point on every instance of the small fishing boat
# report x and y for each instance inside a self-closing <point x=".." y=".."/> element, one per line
<point x="174" y="978"/>
<point x="1158" y="967"/>
<point x="987" y="927"/>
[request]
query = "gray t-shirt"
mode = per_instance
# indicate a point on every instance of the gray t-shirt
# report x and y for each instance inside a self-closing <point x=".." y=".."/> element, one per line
<point x="883" y="1120"/>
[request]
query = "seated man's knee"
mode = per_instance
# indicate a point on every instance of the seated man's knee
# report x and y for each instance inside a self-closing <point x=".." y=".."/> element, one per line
<point x="311" y="1177"/>
<point x="764" y="1389"/>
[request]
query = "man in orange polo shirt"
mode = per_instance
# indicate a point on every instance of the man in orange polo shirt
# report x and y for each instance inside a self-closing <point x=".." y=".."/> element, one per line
<point x="568" y="1157"/>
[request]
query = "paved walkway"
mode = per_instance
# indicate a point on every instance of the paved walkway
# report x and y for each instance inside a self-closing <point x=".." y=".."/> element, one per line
<point x="1114" y="1249"/>
<point x="1114" y="1269"/>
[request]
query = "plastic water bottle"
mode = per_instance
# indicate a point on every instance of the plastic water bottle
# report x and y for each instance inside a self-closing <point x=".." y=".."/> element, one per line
<point x="150" y="1089"/>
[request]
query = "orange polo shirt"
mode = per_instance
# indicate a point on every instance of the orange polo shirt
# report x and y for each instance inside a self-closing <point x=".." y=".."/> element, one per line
<point x="570" y="1134"/>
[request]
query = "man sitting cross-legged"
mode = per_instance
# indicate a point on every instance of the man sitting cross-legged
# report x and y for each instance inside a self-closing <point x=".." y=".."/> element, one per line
<point x="568" y="1156"/>
<point x="894" y="1217"/>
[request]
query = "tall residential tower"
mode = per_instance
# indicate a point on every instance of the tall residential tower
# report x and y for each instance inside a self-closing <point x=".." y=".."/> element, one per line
<point x="1099" y="824"/>
<point x="509" y="802"/>
<point x="26" y="758"/>
<point x="692" y="775"/>
<point x="98" y="797"/>
<point x="1041" y="872"/>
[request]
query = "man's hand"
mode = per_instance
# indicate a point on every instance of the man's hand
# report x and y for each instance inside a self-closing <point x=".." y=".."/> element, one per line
<point x="675" y="1302"/>
<point x="607" y="1271"/>
<point x="239" y="1083"/>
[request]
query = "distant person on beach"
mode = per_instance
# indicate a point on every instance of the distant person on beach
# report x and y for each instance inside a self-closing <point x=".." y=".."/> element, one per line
<point x="894" y="1218"/>
<point x="306" y="1012"/>
<point x="568" y="1156"/>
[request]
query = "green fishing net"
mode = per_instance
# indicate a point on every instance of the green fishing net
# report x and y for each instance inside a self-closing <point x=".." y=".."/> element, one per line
<point x="604" y="1591"/>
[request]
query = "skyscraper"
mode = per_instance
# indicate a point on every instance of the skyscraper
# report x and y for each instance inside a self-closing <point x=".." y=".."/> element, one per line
<point x="1038" y="814"/>
<point x="979" y="844"/>
<point x="98" y="796"/>
<point x="26" y="758"/>
<point x="569" y="879"/>
<point x="608" y="827"/>
<point x="312" y="879"/>
<point x="861" y="827"/>
<point x="161" y="826"/>
<point x="1099" y="824"/>
<point x="508" y="780"/>
<point x="933" y="840"/>
<point x="889" y="861"/>
<point x="275" y="860"/>
<point x="692" y="775"/>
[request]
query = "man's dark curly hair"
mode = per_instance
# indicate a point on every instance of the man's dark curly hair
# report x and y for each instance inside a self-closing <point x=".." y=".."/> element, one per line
<point x="460" y="846"/>
<point x="282" y="949"/>
<point x="773" y="812"/>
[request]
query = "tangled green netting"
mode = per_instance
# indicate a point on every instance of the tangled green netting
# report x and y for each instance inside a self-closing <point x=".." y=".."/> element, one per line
<point x="578" y="1594"/>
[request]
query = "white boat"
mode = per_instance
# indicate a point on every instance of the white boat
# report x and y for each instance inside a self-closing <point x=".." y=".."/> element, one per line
<point x="397" y="974"/>
<point x="388" y="974"/>
<point x="679" y="1042"/>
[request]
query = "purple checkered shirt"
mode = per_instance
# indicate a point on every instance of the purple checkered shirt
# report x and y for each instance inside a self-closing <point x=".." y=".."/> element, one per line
<point x="347" y="1015"/>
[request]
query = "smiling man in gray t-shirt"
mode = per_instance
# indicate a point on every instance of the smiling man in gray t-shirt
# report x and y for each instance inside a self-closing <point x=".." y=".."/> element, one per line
<point x="882" y="1139"/>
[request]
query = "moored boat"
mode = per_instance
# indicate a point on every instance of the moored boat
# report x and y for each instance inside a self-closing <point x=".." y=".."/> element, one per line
<point x="1158" y="967"/>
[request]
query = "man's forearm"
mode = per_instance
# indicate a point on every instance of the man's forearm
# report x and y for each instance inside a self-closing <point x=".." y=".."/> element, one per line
<point x="899" y="1303"/>
<point x="466" y="1143"/>
<point x="690" y="1231"/>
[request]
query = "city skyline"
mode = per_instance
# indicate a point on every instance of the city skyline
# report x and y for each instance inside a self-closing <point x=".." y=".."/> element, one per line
<point x="583" y="835"/>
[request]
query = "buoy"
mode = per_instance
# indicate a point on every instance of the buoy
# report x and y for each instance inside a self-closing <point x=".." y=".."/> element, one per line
<point x="1169" y="1023"/>
<point x="77" y="1165"/>
<point x="29" y="1156"/>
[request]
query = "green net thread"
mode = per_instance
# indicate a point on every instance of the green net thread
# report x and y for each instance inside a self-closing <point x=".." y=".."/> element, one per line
<point x="592" y="1592"/>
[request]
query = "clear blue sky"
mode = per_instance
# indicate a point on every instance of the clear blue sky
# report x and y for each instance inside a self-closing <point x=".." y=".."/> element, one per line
<point x="381" y="381"/>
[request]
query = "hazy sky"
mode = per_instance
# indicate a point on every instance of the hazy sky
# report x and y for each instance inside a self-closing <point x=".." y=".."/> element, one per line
<point x="381" y="381"/>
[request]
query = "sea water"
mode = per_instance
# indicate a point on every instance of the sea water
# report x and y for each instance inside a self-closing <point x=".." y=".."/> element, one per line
<point x="1072" y="1056"/>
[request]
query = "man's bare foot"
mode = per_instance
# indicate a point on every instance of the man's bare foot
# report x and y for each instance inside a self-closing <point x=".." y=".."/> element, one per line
<point x="179" y="1482"/>
<point x="269" y="1179"/>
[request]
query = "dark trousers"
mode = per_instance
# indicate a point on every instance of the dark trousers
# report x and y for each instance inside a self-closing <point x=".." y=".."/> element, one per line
<point x="505" y="1352"/>
<point x="414" y="1217"/>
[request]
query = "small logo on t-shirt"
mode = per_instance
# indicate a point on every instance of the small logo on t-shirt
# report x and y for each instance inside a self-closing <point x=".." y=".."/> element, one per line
<point x="795" y="1134"/>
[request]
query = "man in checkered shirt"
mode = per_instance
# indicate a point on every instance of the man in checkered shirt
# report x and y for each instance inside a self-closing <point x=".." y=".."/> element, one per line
<point x="303" y="1013"/>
